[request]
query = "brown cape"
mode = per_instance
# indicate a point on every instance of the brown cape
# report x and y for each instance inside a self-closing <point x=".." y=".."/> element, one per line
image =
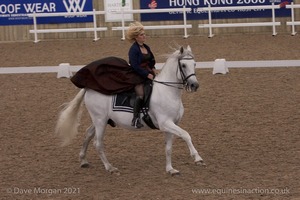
<point x="109" y="75"/>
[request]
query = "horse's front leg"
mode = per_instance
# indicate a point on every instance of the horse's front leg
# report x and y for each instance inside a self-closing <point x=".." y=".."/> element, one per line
<point x="170" y="127"/>
<point x="169" y="143"/>
<point x="82" y="155"/>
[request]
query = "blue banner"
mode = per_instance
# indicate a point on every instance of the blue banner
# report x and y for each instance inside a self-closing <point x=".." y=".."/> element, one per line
<point x="14" y="12"/>
<point x="196" y="14"/>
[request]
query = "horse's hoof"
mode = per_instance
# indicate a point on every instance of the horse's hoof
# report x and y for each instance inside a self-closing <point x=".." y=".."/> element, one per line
<point x="85" y="165"/>
<point x="200" y="163"/>
<point x="114" y="171"/>
<point x="174" y="172"/>
<point x="111" y="123"/>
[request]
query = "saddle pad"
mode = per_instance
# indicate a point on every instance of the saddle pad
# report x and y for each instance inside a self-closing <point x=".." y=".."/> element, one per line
<point x="124" y="102"/>
<point x="121" y="102"/>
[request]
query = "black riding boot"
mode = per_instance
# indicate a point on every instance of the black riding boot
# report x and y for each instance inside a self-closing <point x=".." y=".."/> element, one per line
<point x="136" y="121"/>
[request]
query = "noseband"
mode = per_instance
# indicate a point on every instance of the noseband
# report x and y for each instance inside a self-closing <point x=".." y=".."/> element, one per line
<point x="183" y="76"/>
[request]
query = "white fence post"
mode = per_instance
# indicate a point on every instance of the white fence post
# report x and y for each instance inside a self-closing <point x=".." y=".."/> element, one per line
<point x="209" y="21"/>
<point x="184" y="22"/>
<point x="293" y="19"/>
<point x="123" y="24"/>
<point x="273" y="19"/>
<point x="95" y="25"/>
<point x="293" y="23"/>
<point x="35" y="28"/>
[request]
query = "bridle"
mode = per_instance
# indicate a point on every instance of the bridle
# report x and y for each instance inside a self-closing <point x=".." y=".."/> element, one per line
<point x="182" y="74"/>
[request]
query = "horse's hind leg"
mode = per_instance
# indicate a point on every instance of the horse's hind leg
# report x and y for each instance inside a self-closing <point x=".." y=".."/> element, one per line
<point x="100" y="131"/>
<point x="82" y="155"/>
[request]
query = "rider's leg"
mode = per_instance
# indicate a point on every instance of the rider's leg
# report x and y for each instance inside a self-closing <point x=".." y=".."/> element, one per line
<point x="136" y="121"/>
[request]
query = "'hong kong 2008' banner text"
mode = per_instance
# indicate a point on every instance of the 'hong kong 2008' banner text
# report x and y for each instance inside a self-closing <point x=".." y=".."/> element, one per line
<point x="198" y="14"/>
<point x="14" y="12"/>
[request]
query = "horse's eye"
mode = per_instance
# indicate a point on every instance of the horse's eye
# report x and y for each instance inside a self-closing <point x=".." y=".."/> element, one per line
<point x="183" y="66"/>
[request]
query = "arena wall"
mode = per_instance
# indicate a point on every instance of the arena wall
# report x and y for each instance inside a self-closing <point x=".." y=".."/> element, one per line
<point x="21" y="32"/>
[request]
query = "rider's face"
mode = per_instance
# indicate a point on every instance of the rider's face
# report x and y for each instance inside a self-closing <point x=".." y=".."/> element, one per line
<point x="141" y="38"/>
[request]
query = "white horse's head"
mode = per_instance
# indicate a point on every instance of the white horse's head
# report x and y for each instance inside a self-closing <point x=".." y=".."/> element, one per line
<point x="186" y="69"/>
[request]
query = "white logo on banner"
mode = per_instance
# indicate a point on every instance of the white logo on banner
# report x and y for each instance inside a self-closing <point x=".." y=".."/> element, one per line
<point x="74" y="5"/>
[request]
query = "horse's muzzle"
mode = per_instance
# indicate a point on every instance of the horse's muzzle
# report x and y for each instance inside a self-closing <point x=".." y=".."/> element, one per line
<point x="192" y="87"/>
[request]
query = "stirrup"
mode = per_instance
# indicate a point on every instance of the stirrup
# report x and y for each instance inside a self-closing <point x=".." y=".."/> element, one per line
<point x="136" y="122"/>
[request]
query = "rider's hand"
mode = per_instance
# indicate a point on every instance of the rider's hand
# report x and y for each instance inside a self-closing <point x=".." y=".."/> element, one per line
<point x="155" y="71"/>
<point x="150" y="76"/>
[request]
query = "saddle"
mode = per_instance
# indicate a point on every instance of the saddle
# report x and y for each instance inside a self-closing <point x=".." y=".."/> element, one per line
<point x="124" y="102"/>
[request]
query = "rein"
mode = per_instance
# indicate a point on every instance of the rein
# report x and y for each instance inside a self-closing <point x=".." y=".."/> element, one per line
<point x="183" y="77"/>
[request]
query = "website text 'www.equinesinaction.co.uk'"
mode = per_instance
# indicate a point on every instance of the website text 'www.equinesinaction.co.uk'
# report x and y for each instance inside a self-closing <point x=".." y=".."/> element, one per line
<point x="236" y="191"/>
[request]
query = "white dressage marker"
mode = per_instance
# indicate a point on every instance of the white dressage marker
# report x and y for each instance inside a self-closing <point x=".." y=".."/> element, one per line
<point x="64" y="71"/>
<point x="220" y="67"/>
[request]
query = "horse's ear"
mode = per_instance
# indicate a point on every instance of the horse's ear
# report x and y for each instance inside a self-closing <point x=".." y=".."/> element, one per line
<point x="189" y="48"/>
<point x="181" y="50"/>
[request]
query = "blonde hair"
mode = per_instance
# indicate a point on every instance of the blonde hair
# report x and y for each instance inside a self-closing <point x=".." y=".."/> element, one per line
<point x="134" y="30"/>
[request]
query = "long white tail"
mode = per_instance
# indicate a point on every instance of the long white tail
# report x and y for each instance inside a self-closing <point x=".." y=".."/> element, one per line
<point x="69" y="118"/>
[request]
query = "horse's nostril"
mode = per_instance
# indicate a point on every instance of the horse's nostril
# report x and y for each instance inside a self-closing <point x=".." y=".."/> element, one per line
<point x="194" y="86"/>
